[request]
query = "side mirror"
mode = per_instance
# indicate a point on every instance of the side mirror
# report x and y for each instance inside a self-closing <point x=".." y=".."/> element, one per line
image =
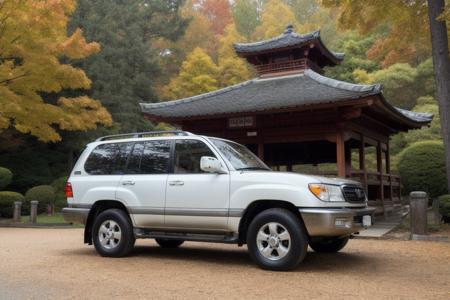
<point x="211" y="165"/>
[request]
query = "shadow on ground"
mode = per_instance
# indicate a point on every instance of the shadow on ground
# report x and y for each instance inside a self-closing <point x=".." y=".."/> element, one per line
<point x="316" y="262"/>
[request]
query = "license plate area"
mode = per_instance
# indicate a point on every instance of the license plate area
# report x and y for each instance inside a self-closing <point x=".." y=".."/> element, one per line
<point x="367" y="221"/>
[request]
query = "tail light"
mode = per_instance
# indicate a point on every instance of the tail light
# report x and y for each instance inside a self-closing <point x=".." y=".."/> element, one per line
<point x="68" y="190"/>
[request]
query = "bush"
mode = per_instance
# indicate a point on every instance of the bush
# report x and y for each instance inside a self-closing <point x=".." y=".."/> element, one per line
<point x="444" y="207"/>
<point x="7" y="201"/>
<point x="5" y="177"/>
<point x="45" y="194"/>
<point x="61" y="199"/>
<point x="422" y="168"/>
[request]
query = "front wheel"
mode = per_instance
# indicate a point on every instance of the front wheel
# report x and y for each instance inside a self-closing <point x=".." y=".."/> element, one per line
<point x="113" y="233"/>
<point x="328" y="245"/>
<point x="276" y="240"/>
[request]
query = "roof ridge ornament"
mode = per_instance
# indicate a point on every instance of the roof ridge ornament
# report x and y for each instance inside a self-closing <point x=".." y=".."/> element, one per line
<point x="289" y="29"/>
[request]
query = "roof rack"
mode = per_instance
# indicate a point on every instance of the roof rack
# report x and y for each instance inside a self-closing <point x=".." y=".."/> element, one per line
<point x="143" y="134"/>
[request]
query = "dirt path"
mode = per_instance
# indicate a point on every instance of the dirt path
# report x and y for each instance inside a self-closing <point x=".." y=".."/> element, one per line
<point x="53" y="263"/>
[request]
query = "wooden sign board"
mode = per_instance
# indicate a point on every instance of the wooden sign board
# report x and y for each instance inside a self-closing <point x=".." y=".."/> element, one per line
<point x="241" y="122"/>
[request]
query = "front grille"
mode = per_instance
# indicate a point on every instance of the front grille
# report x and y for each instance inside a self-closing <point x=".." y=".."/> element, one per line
<point x="354" y="194"/>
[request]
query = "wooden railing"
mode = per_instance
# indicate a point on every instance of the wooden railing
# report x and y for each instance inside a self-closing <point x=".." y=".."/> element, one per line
<point x="297" y="64"/>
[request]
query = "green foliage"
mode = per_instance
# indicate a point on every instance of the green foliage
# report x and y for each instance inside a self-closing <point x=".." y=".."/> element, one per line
<point x="5" y="177"/>
<point x="34" y="165"/>
<point x="246" y="16"/>
<point x="60" y="196"/>
<point x="402" y="140"/>
<point x="7" y="200"/>
<point x="444" y="207"/>
<point x="45" y="194"/>
<point x="355" y="47"/>
<point x="422" y="168"/>
<point x="125" y="71"/>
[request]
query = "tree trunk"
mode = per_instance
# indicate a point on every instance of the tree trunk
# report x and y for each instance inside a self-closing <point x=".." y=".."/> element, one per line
<point x="441" y="62"/>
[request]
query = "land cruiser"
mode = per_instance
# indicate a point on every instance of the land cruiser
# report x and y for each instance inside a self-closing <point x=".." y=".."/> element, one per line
<point x="174" y="186"/>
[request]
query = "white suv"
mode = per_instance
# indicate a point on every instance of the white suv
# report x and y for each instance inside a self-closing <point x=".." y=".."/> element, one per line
<point x="175" y="187"/>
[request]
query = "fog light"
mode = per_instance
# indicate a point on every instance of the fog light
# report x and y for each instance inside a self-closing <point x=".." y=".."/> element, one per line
<point x="343" y="222"/>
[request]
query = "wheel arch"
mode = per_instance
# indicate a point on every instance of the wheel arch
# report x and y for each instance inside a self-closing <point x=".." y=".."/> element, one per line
<point x="258" y="206"/>
<point x="98" y="207"/>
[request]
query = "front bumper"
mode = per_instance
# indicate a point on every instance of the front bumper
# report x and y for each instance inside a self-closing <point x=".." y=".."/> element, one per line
<point x="322" y="222"/>
<point x="75" y="215"/>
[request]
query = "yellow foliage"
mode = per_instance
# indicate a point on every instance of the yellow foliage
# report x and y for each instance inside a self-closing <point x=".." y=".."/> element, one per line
<point x="34" y="37"/>
<point x="274" y="18"/>
<point x="197" y="75"/>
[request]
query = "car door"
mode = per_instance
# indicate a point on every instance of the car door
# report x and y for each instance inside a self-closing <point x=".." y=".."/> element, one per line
<point x="195" y="200"/>
<point x="143" y="187"/>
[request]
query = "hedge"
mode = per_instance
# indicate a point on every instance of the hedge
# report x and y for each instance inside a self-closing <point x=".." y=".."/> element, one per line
<point x="5" y="177"/>
<point x="444" y="207"/>
<point x="422" y="168"/>
<point x="7" y="200"/>
<point x="45" y="194"/>
<point x="61" y="199"/>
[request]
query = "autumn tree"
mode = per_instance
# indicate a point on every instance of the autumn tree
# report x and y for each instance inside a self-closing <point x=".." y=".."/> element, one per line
<point x="246" y="15"/>
<point x="34" y="39"/>
<point x="411" y="23"/>
<point x="274" y="18"/>
<point x="218" y="12"/>
<point x="125" y="71"/>
<point x="197" y="75"/>
<point x="232" y="69"/>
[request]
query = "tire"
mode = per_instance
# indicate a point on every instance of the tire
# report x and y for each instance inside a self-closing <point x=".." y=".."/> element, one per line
<point x="268" y="244"/>
<point x="167" y="243"/>
<point x="328" y="245"/>
<point x="113" y="233"/>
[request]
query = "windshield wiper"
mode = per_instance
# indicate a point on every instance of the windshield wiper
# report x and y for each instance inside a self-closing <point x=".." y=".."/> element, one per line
<point x="253" y="168"/>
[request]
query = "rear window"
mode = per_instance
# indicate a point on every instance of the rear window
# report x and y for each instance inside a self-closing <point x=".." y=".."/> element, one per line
<point x="108" y="159"/>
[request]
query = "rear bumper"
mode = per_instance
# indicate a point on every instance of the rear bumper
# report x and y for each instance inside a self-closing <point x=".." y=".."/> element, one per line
<point x="75" y="215"/>
<point x="334" y="221"/>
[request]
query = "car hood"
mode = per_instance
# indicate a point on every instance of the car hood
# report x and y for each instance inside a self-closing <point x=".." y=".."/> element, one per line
<point x="275" y="176"/>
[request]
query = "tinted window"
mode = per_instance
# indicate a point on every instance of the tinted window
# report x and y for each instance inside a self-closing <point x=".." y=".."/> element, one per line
<point x="108" y="159"/>
<point x="150" y="157"/>
<point x="188" y="154"/>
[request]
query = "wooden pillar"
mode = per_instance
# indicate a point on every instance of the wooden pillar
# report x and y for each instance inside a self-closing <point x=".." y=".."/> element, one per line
<point x="380" y="174"/>
<point x="261" y="151"/>
<point x="388" y="171"/>
<point x="348" y="161"/>
<point x="340" y="154"/>
<point x="362" y="161"/>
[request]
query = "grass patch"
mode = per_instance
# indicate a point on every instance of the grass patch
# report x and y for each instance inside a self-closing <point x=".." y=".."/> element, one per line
<point x="56" y="218"/>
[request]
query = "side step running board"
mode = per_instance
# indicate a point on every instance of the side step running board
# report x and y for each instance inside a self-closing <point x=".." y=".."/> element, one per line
<point x="142" y="233"/>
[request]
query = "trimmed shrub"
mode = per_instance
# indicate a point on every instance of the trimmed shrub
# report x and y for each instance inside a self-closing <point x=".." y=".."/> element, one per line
<point x="7" y="201"/>
<point x="61" y="199"/>
<point x="444" y="207"/>
<point x="45" y="194"/>
<point x="422" y="168"/>
<point x="5" y="177"/>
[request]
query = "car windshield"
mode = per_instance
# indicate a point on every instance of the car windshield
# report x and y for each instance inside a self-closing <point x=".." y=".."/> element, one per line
<point x="239" y="156"/>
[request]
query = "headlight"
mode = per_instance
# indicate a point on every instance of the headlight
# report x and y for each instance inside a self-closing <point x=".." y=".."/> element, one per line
<point x="326" y="192"/>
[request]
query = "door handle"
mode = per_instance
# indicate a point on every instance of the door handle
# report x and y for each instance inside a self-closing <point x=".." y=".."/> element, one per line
<point x="128" y="182"/>
<point x="176" y="183"/>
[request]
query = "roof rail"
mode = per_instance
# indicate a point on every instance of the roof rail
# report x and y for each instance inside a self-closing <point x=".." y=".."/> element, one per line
<point x="143" y="134"/>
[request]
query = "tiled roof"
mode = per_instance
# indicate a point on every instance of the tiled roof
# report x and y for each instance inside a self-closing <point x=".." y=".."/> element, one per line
<point x="287" y="39"/>
<point x="255" y="95"/>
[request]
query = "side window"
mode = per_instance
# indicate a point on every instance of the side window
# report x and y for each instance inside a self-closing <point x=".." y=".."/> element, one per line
<point x="152" y="157"/>
<point x="108" y="159"/>
<point x="188" y="154"/>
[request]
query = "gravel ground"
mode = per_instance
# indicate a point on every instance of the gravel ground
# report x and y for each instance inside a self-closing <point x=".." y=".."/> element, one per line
<point x="54" y="263"/>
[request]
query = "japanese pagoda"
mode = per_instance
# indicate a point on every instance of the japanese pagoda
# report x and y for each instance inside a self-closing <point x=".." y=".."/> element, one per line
<point x="296" y="119"/>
